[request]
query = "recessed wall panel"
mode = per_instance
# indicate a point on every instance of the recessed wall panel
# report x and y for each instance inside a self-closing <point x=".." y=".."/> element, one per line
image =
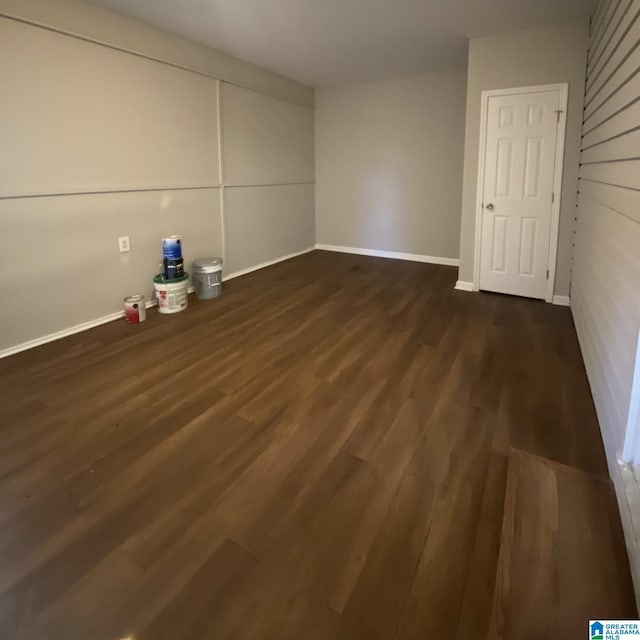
<point x="62" y="266"/>
<point x="265" y="140"/>
<point x="79" y="117"/>
<point x="267" y="223"/>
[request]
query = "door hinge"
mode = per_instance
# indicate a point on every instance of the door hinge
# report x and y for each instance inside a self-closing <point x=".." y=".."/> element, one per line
<point x="553" y="197"/>
<point x="547" y="274"/>
<point x="558" y="112"/>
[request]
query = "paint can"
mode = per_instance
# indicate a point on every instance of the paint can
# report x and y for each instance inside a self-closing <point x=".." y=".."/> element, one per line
<point x="171" y="294"/>
<point x="207" y="277"/>
<point x="135" y="310"/>
<point x="172" y="269"/>
<point x="172" y="261"/>
<point x="172" y="248"/>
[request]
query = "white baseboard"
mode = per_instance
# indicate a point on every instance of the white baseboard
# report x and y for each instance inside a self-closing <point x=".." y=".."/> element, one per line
<point x="414" y="257"/>
<point x="78" y="328"/>
<point x="461" y="285"/>
<point x="262" y="265"/>
<point x="627" y="489"/>
<point x="30" y="344"/>
<point x="562" y="301"/>
<point x="90" y="324"/>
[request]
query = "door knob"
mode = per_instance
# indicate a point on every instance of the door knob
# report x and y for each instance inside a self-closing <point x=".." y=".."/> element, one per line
<point x="490" y="207"/>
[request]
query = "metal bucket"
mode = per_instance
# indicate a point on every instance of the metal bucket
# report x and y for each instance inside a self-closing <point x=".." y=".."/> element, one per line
<point x="206" y="276"/>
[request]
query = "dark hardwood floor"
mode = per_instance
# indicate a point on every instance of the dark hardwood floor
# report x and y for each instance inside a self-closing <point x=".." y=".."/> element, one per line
<point x="340" y="447"/>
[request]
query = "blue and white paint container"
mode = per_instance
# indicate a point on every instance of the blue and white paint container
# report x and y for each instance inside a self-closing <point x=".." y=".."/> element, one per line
<point x="171" y="248"/>
<point x="172" y="260"/>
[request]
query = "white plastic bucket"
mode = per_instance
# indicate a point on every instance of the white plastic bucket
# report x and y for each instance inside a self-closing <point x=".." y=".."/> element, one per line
<point x="172" y="294"/>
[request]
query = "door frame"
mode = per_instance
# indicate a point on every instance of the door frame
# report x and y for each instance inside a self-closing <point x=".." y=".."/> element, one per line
<point x="563" y="88"/>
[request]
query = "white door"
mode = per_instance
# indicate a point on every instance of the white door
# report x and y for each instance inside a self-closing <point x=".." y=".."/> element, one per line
<point x="522" y="130"/>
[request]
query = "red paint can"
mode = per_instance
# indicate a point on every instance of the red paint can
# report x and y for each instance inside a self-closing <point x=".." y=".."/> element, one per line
<point x="135" y="310"/>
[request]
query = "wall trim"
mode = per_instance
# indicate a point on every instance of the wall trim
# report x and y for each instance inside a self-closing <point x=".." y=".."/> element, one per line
<point x="197" y="58"/>
<point x="627" y="490"/>
<point x="90" y="324"/>
<point x="262" y="265"/>
<point x="223" y="218"/>
<point x="51" y="337"/>
<point x="63" y="333"/>
<point x="561" y="301"/>
<point x="230" y="185"/>
<point x="414" y="257"/>
<point x="461" y="285"/>
<point x="98" y="192"/>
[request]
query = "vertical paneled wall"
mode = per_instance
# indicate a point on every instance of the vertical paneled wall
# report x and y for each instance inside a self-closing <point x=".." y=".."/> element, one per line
<point x="98" y="143"/>
<point x="605" y="287"/>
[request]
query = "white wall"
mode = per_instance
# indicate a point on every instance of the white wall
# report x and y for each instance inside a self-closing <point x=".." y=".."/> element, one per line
<point x="62" y="268"/>
<point x="543" y="55"/>
<point x="80" y="117"/>
<point x="265" y="140"/>
<point x="267" y="222"/>
<point x="100" y="25"/>
<point x="268" y="172"/>
<point x="605" y="288"/>
<point x="98" y="143"/>
<point x="389" y="164"/>
<point x="268" y="175"/>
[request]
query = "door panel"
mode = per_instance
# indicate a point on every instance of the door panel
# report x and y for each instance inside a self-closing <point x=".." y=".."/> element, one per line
<point x="500" y="229"/>
<point x="504" y="167"/>
<point x="533" y="155"/>
<point x="517" y="192"/>
<point x="528" y="243"/>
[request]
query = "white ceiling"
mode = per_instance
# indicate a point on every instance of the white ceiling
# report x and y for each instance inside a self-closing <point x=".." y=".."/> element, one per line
<point x="337" y="42"/>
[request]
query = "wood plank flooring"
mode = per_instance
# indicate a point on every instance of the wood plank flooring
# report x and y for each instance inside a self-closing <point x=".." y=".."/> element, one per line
<point x="558" y="533"/>
<point x="321" y="453"/>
